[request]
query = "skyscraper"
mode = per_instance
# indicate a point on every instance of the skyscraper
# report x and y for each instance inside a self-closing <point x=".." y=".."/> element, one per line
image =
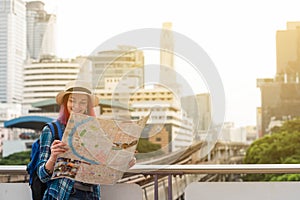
<point x="280" y="96"/>
<point x="167" y="75"/>
<point x="12" y="49"/>
<point x="288" y="51"/>
<point x="124" y="63"/>
<point x="167" y="45"/>
<point x="40" y="31"/>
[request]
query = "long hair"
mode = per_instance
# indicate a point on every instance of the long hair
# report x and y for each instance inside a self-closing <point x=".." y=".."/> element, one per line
<point x="64" y="114"/>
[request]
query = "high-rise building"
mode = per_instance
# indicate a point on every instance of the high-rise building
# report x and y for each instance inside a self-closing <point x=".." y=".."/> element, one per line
<point x="198" y="107"/>
<point x="12" y="49"/>
<point x="168" y="125"/>
<point x="109" y="67"/>
<point x="167" y="45"/>
<point x="44" y="79"/>
<point x="288" y="51"/>
<point x="280" y="96"/>
<point x="41" y="28"/>
<point x="167" y="76"/>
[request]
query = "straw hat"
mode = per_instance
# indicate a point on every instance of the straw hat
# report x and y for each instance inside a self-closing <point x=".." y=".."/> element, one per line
<point x="77" y="87"/>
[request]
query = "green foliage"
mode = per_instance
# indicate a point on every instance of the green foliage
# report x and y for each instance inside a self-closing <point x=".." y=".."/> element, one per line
<point x="289" y="126"/>
<point x="147" y="149"/>
<point x="281" y="147"/>
<point x="144" y="146"/>
<point x="286" y="177"/>
<point x="20" y="158"/>
<point x="274" y="149"/>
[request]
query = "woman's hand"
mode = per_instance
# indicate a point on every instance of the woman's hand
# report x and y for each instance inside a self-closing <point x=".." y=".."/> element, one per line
<point x="57" y="147"/>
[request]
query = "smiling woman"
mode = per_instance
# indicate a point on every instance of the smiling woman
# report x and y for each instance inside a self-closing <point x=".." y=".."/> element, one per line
<point x="77" y="103"/>
<point x="78" y="98"/>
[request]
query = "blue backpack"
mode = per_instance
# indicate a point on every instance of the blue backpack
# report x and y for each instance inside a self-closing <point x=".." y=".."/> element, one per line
<point x="37" y="186"/>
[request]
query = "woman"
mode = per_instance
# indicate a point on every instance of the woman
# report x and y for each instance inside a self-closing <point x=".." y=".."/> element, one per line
<point x="76" y="98"/>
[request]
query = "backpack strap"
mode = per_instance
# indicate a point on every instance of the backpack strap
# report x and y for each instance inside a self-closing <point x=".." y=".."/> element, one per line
<point x="55" y="130"/>
<point x="60" y="133"/>
<point x="50" y="125"/>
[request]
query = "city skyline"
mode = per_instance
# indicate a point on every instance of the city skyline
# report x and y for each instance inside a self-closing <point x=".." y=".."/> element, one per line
<point x="239" y="37"/>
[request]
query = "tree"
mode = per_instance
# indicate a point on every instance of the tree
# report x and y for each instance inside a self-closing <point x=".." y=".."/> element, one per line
<point x="147" y="149"/>
<point x="288" y="126"/>
<point x="282" y="146"/>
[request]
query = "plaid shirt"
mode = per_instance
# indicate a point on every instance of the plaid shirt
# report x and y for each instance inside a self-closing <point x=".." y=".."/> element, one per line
<point x="61" y="188"/>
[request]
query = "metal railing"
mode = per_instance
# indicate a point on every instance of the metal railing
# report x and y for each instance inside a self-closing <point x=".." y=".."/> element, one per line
<point x="170" y="170"/>
<point x="216" y="169"/>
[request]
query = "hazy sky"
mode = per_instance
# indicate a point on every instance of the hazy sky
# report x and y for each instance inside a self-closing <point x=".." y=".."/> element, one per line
<point x="239" y="36"/>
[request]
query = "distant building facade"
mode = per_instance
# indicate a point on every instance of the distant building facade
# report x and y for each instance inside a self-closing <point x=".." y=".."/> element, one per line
<point x="41" y="28"/>
<point x="109" y="67"/>
<point x="167" y="76"/>
<point x="230" y="133"/>
<point x="175" y="127"/>
<point x="198" y="107"/>
<point x="280" y="96"/>
<point x="45" y="78"/>
<point x="12" y="58"/>
<point x="7" y="112"/>
<point x="172" y="129"/>
<point x="12" y="49"/>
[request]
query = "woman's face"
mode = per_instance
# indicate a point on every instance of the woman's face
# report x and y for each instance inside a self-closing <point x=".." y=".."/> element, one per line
<point x="77" y="103"/>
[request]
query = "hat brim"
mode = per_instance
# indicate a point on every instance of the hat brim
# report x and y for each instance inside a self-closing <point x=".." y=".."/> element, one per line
<point x="60" y="97"/>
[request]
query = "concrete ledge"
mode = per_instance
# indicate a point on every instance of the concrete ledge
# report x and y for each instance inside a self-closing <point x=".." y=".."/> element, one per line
<point x="243" y="190"/>
<point x="17" y="191"/>
<point x="124" y="191"/>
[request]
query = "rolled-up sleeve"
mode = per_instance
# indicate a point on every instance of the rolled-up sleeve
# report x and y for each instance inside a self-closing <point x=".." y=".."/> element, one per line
<point x="46" y="140"/>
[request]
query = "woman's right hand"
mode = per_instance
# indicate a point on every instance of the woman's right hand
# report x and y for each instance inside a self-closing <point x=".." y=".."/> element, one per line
<point x="57" y="147"/>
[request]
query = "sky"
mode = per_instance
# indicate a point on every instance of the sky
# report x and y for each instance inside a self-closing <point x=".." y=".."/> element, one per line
<point x="238" y="36"/>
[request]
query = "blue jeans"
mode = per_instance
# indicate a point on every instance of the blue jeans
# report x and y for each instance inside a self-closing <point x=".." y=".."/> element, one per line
<point x="80" y="195"/>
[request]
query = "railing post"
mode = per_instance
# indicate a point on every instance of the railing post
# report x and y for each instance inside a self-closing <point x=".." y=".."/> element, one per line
<point x="155" y="187"/>
<point x="170" y="195"/>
